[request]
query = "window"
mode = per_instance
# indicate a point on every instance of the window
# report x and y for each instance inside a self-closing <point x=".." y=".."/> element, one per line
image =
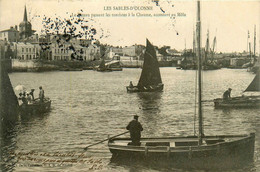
<point x="30" y="57"/>
<point x="27" y="50"/>
<point x="22" y="50"/>
<point x="33" y="56"/>
<point x="27" y="57"/>
<point x="22" y="57"/>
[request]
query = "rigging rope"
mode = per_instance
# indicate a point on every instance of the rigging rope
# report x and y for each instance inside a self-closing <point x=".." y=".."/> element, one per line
<point x="201" y="100"/>
<point x="194" y="120"/>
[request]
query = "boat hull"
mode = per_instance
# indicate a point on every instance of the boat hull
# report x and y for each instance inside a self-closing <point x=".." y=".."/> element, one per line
<point x="36" y="107"/>
<point x="103" y="70"/>
<point x="134" y="89"/>
<point x="217" y="153"/>
<point x="238" y="102"/>
<point x="116" y="69"/>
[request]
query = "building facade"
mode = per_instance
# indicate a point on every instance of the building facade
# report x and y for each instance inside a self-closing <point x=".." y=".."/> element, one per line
<point x="25" y="51"/>
<point x="70" y="51"/>
<point x="10" y="35"/>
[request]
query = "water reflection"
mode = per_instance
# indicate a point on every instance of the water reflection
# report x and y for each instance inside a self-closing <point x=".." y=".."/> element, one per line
<point x="28" y="118"/>
<point x="8" y="145"/>
<point x="150" y="101"/>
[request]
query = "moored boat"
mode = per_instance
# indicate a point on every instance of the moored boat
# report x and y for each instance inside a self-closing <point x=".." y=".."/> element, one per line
<point x="36" y="106"/>
<point x="114" y="65"/>
<point x="102" y="67"/>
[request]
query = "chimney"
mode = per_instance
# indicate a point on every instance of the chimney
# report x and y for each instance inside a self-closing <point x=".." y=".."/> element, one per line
<point x="15" y="27"/>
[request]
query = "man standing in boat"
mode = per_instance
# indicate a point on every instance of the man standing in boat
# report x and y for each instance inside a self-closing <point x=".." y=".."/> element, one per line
<point x="135" y="129"/>
<point x="41" y="94"/>
<point x="226" y="94"/>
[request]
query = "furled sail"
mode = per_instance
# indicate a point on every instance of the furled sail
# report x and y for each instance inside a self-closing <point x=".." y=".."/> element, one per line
<point x="102" y="64"/>
<point x="255" y="84"/>
<point x="150" y="75"/>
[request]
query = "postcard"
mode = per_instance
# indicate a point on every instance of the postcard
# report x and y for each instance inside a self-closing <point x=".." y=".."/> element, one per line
<point x="138" y="85"/>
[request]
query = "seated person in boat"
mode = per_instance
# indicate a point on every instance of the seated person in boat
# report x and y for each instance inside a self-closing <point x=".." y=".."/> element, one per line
<point x="31" y="93"/>
<point x="226" y="94"/>
<point x="23" y="99"/>
<point x="29" y="98"/>
<point x="20" y="98"/>
<point x="131" y="84"/>
<point x="41" y="94"/>
<point x="135" y="129"/>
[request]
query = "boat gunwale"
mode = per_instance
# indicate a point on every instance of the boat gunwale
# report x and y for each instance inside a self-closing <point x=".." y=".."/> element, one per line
<point x="243" y="137"/>
<point x="214" y="146"/>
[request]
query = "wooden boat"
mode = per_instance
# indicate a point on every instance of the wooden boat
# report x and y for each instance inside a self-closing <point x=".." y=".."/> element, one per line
<point x="102" y="67"/>
<point x="114" y="65"/>
<point x="36" y="106"/>
<point x="216" y="151"/>
<point x="150" y="79"/>
<point x="242" y="101"/>
<point x="199" y="152"/>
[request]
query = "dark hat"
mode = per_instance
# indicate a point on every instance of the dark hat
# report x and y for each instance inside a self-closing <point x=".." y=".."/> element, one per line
<point x="32" y="89"/>
<point x="136" y="116"/>
<point x="40" y="87"/>
<point x="229" y="89"/>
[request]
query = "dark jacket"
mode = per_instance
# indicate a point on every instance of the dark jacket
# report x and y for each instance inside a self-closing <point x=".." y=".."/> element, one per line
<point x="135" y="129"/>
<point x="226" y="94"/>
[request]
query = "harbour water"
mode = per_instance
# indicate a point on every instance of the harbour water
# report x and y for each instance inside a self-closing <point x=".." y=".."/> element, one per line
<point x="87" y="106"/>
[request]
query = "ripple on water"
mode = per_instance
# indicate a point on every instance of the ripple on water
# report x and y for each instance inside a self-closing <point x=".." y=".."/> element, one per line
<point x="88" y="106"/>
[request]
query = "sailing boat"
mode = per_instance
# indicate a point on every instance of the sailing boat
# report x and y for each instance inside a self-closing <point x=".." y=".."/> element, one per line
<point x="150" y="79"/>
<point x="242" y="101"/>
<point x="102" y="67"/>
<point x="208" y="64"/>
<point x="200" y="152"/>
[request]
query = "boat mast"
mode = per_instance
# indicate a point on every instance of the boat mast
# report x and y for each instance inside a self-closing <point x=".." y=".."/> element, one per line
<point x="250" y="55"/>
<point x="199" y="73"/>
<point x="254" y="43"/>
<point x="207" y="48"/>
<point x="194" y="46"/>
<point x="213" y="49"/>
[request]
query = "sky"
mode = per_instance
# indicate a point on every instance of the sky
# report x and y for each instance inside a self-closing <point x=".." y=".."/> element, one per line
<point x="229" y="21"/>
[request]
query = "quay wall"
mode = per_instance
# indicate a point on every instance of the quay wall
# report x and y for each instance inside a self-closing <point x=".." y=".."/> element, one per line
<point x="45" y="65"/>
<point x="131" y="63"/>
<point x="139" y="63"/>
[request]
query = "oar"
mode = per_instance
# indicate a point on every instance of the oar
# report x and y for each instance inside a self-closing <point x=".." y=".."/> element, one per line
<point x="105" y="140"/>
